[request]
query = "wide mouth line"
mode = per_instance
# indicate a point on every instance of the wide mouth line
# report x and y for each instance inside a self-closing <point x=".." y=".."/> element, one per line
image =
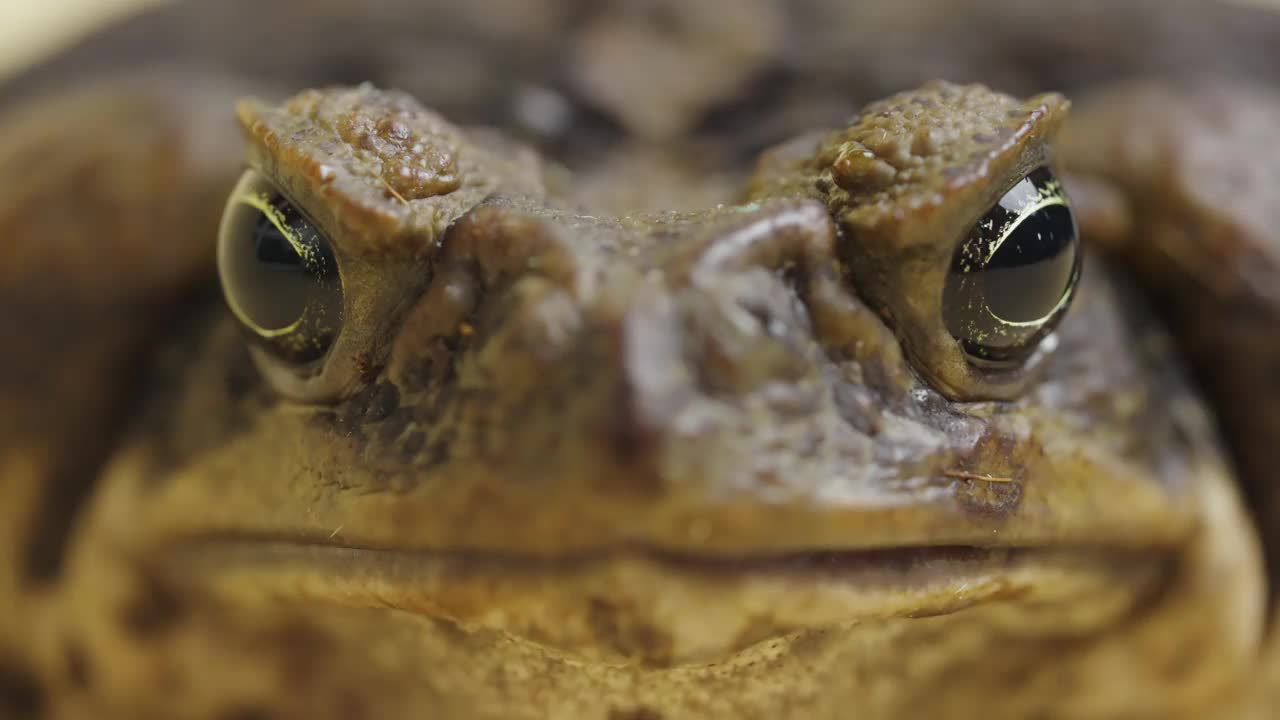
<point x="710" y="605"/>
<point x="902" y="558"/>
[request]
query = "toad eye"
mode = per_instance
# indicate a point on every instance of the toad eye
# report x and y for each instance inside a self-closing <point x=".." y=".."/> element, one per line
<point x="1012" y="278"/>
<point x="278" y="273"/>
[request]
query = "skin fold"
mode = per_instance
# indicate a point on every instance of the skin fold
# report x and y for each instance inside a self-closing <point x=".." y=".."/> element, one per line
<point x="640" y="400"/>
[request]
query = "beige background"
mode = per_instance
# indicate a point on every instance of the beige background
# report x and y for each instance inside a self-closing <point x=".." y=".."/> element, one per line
<point x="30" y="29"/>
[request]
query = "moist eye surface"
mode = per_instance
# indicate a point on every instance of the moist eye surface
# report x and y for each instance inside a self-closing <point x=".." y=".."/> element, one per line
<point x="278" y="273"/>
<point x="1012" y="277"/>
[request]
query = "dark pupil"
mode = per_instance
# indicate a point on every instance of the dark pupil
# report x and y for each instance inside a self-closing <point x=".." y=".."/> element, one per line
<point x="1027" y="275"/>
<point x="273" y="247"/>
<point x="281" y="277"/>
<point x="278" y="281"/>
<point x="1008" y="280"/>
<point x="273" y="282"/>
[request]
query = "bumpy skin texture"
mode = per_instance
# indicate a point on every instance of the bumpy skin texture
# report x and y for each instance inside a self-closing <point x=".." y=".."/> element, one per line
<point x="575" y="454"/>
<point x="1190" y="208"/>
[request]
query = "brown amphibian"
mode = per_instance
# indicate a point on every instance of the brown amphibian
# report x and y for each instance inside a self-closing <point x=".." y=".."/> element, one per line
<point x="619" y="369"/>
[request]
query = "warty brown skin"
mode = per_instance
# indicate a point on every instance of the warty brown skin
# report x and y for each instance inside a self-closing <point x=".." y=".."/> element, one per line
<point x="1190" y="209"/>
<point x="569" y="462"/>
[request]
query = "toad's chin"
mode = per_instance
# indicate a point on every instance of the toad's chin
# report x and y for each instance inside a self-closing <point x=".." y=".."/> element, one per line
<point x="663" y="610"/>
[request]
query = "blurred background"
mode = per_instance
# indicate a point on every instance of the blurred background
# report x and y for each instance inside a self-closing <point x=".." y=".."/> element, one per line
<point x="31" y="29"/>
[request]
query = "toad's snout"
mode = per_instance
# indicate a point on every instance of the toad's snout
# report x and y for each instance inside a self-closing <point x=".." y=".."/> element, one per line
<point x="636" y="337"/>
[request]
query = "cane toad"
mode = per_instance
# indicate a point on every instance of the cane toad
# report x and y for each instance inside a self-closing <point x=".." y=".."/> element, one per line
<point x="614" y="406"/>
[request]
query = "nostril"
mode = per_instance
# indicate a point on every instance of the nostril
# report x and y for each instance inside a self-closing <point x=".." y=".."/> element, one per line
<point x="771" y="322"/>
<point x="749" y="331"/>
<point x="773" y="236"/>
<point x="553" y="320"/>
<point x="435" y="328"/>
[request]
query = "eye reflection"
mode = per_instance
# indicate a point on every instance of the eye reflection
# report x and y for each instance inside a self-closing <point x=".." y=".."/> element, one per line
<point x="1012" y="278"/>
<point x="278" y="273"/>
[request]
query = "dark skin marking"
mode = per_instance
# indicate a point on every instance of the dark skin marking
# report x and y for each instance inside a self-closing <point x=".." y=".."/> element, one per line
<point x="413" y="444"/>
<point x="390" y="428"/>
<point x="303" y="649"/>
<point x="69" y="475"/>
<point x="79" y="667"/>
<point x="155" y="609"/>
<point x="383" y="401"/>
<point x="21" y="698"/>
<point x="615" y="630"/>
<point x="636" y="713"/>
